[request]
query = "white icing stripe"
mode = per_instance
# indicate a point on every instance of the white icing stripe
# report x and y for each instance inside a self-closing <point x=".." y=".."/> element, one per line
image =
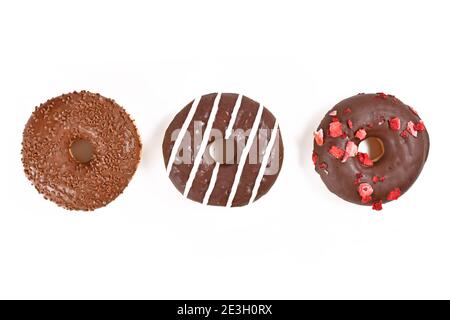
<point x="264" y="163"/>
<point x="180" y="137"/>
<point x="244" y="155"/>
<point x="212" y="184"/>
<point x="228" y="134"/>
<point x="233" y="118"/>
<point x="203" y="145"/>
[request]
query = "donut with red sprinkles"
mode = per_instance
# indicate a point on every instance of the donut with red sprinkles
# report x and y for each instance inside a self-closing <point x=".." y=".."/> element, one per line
<point x="357" y="175"/>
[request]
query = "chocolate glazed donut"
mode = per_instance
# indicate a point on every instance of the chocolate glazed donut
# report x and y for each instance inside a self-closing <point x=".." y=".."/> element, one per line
<point x="353" y="175"/>
<point x="57" y="166"/>
<point x="239" y="178"/>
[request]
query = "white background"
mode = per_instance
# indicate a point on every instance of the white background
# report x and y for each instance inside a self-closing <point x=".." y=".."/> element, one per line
<point x="299" y="59"/>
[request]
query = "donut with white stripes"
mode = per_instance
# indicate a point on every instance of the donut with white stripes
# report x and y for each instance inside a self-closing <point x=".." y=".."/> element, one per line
<point x="223" y="149"/>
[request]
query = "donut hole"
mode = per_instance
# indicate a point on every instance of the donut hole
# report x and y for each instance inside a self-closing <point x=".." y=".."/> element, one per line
<point x="374" y="147"/>
<point x="81" y="151"/>
<point x="223" y="151"/>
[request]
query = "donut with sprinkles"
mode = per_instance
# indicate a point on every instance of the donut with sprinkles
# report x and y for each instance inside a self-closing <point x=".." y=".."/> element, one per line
<point x="357" y="176"/>
<point x="80" y="150"/>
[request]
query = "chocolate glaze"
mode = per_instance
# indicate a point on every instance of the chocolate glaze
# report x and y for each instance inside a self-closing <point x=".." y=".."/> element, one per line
<point x="404" y="155"/>
<point x="246" y="116"/>
<point x="51" y="130"/>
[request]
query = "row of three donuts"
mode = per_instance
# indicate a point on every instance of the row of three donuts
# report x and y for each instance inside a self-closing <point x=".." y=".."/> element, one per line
<point x="81" y="150"/>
